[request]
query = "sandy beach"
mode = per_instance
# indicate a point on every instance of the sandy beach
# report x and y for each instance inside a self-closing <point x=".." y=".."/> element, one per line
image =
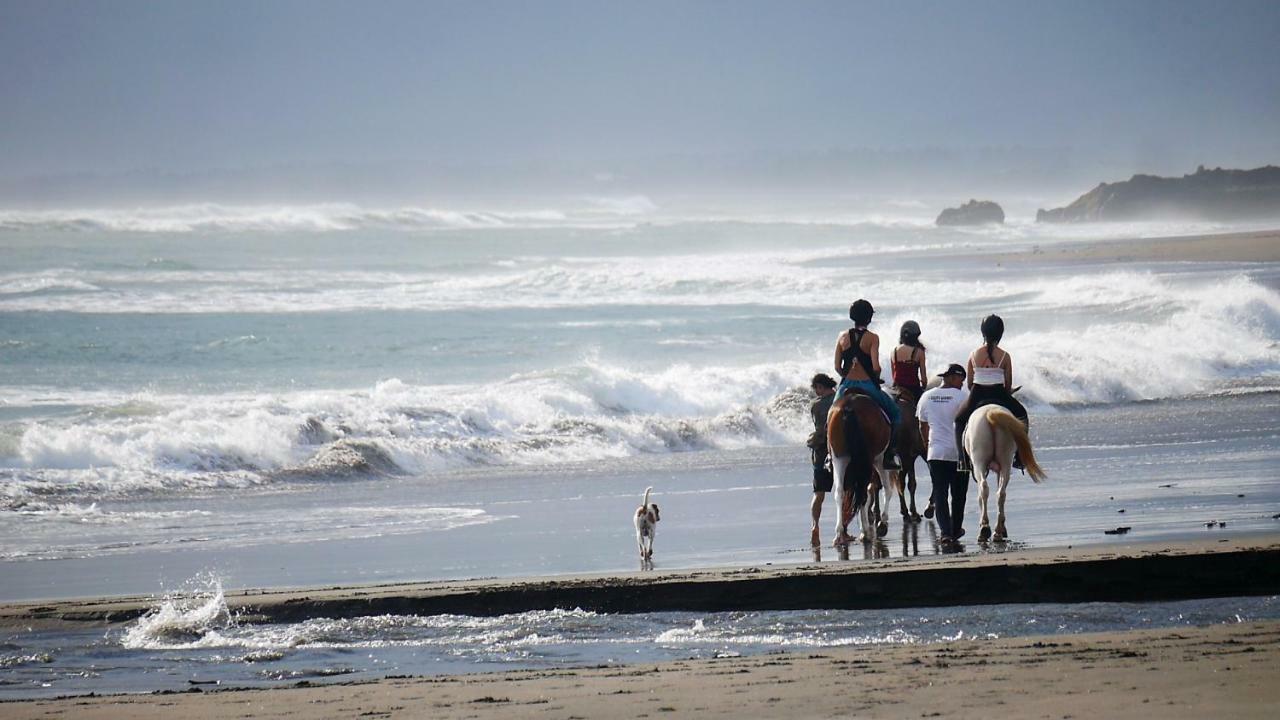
<point x="1219" y="671"/>
<point x="1259" y="246"/>
<point x="1225" y="670"/>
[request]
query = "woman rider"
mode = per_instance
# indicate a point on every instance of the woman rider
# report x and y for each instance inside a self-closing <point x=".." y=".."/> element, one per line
<point x="908" y="362"/>
<point x="858" y="365"/>
<point x="990" y="380"/>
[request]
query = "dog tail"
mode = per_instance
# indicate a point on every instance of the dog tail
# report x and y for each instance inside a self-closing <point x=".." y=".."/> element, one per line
<point x="1012" y="425"/>
<point x="646" y="496"/>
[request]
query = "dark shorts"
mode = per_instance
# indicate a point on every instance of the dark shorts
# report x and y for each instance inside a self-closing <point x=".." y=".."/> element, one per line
<point x="822" y="479"/>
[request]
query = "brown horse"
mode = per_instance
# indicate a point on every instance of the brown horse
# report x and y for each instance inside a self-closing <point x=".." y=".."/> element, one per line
<point x="857" y="435"/>
<point x="910" y="448"/>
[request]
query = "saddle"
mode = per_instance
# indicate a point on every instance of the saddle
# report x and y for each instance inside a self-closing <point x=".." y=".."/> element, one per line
<point x="869" y="396"/>
<point x="909" y="394"/>
<point x="983" y="402"/>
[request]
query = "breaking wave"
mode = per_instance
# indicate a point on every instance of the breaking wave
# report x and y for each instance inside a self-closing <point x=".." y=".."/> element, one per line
<point x="331" y="217"/>
<point x="588" y="412"/>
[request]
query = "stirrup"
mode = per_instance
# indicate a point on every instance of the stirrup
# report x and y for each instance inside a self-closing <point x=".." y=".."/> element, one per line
<point x="1017" y="463"/>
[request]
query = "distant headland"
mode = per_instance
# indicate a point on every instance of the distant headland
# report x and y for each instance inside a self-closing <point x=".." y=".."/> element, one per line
<point x="1215" y="194"/>
<point x="974" y="212"/>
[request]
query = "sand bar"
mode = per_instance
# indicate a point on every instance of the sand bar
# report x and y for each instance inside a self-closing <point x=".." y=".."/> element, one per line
<point x="1215" y="567"/>
<point x="1184" y="672"/>
<point x="1257" y="246"/>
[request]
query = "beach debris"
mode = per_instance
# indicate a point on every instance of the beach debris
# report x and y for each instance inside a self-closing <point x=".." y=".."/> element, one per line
<point x="1120" y="510"/>
<point x="1240" y="495"/>
<point x="1216" y="523"/>
<point x="1222" y="524"/>
<point x="1169" y="485"/>
<point x="1117" y="531"/>
<point x="1276" y="516"/>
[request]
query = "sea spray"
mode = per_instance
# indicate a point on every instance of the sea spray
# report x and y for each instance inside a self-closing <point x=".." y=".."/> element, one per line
<point x="183" y="618"/>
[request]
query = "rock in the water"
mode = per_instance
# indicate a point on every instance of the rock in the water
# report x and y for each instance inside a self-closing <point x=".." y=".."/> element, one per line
<point x="1205" y="195"/>
<point x="974" y="212"/>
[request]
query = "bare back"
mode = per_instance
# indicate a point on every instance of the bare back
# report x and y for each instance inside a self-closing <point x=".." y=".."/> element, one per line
<point x="870" y="345"/>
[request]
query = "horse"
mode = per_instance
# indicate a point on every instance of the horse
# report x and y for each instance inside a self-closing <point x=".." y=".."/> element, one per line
<point x="857" y="435"/>
<point x="910" y="447"/>
<point x="990" y="438"/>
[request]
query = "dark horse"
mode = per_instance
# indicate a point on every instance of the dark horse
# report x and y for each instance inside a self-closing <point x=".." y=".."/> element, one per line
<point x="910" y="448"/>
<point x="857" y="435"/>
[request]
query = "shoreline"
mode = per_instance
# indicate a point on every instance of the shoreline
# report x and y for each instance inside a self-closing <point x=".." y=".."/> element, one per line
<point x="1180" y="672"/>
<point x="1122" y="572"/>
<point x="1251" y="246"/>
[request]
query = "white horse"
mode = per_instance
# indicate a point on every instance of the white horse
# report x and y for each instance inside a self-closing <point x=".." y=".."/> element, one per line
<point x="992" y="435"/>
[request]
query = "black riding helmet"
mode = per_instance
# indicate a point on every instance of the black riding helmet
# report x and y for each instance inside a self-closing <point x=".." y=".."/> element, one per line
<point x="860" y="312"/>
<point x="992" y="329"/>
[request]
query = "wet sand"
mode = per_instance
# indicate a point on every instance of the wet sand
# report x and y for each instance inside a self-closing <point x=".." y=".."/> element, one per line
<point x="1217" y="671"/>
<point x="1134" y="572"/>
<point x="1258" y="246"/>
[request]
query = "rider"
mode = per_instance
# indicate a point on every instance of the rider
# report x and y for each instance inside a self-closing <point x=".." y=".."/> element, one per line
<point x="858" y="365"/>
<point x="990" y="380"/>
<point x="908" y="363"/>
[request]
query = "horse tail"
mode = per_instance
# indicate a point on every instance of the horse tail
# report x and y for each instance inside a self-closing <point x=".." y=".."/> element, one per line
<point x="1012" y="425"/>
<point x="647" y="490"/>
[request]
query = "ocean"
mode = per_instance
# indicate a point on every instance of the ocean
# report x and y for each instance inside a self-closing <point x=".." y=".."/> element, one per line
<point x="320" y="395"/>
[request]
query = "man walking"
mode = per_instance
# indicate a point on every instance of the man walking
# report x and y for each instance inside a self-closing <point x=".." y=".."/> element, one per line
<point x="825" y="388"/>
<point x="937" y="409"/>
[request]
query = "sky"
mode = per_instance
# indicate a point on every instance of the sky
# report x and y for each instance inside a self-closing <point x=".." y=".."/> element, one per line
<point x="224" y="92"/>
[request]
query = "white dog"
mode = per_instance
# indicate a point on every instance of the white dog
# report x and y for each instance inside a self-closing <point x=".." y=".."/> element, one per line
<point x="646" y="520"/>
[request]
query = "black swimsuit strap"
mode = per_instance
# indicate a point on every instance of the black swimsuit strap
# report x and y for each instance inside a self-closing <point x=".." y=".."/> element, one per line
<point x="856" y="352"/>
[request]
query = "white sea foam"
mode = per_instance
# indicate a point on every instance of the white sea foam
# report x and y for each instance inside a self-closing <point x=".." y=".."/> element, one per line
<point x="592" y="410"/>
<point x="182" y="618"/>
<point x="804" y="278"/>
<point x="53" y="531"/>
<point x="336" y="217"/>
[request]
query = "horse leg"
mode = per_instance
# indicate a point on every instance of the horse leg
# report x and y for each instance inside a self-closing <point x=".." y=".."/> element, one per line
<point x="984" y="533"/>
<point x="845" y="517"/>
<point x="881" y="483"/>
<point x="1001" y="533"/>
<point x="844" y="499"/>
<point x="864" y="521"/>
<point x="902" y="497"/>
<point x="911" y="486"/>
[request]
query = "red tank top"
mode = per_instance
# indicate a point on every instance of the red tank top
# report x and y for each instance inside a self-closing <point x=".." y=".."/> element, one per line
<point x="906" y="373"/>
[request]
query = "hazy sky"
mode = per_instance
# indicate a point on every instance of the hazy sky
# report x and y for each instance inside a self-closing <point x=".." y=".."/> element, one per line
<point x="121" y="86"/>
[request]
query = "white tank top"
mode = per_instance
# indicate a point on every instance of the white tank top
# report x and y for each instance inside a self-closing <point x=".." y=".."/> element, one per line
<point x="988" y="375"/>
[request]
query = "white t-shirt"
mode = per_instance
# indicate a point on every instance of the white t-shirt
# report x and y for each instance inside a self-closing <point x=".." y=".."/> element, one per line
<point x="938" y="407"/>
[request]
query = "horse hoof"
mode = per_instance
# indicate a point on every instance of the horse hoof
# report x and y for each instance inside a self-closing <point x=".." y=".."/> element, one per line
<point x="928" y="512"/>
<point x="882" y="529"/>
<point x="1000" y="535"/>
<point x="984" y="534"/>
<point x="915" y="517"/>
